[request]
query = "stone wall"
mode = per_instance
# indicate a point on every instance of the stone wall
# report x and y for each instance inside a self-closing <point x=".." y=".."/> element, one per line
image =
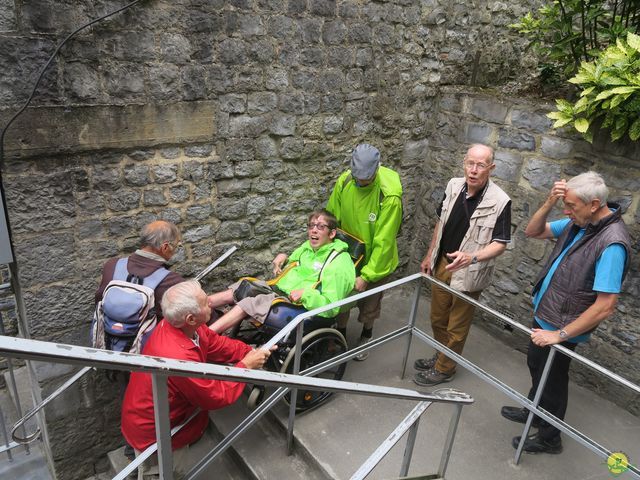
<point x="530" y="156"/>
<point x="232" y="119"/>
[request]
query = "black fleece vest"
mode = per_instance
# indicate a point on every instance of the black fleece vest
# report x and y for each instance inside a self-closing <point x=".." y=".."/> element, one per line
<point x="570" y="291"/>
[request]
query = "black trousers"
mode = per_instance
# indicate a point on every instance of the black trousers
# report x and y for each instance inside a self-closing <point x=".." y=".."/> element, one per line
<point x="556" y="392"/>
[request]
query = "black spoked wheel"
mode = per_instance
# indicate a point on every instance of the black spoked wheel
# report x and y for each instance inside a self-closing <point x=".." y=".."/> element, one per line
<point x="317" y="347"/>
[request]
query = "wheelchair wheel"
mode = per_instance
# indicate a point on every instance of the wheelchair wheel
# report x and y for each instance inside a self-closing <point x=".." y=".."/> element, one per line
<point x="255" y="397"/>
<point x="317" y="347"/>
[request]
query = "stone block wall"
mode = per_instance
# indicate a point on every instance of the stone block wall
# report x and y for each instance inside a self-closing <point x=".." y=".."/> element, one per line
<point x="530" y="156"/>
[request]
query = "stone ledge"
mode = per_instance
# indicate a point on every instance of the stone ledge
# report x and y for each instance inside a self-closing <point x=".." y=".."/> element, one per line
<point x="54" y="130"/>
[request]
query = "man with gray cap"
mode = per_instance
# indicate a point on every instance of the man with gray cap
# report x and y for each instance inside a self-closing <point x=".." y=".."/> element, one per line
<point x="367" y="201"/>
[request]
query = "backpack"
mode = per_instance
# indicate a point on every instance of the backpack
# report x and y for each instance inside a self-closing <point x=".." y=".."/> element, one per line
<point x="125" y="317"/>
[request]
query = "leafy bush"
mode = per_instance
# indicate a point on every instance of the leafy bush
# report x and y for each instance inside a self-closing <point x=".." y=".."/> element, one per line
<point x="610" y="90"/>
<point x="565" y="33"/>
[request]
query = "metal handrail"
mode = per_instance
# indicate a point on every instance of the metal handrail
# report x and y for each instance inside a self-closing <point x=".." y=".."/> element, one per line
<point x="34" y="411"/>
<point x="297" y="322"/>
<point x="576" y="356"/>
<point x="268" y="378"/>
<point x="532" y="406"/>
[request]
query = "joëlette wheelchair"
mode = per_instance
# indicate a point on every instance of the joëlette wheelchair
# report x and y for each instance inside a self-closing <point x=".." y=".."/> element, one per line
<point x="320" y="341"/>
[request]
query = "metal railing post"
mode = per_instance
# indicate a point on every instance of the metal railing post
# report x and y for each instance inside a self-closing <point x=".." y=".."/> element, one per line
<point x="163" y="429"/>
<point x="411" y="323"/>
<point x="408" y="449"/>
<point x="448" y="444"/>
<point x="536" y="401"/>
<point x="294" y="391"/>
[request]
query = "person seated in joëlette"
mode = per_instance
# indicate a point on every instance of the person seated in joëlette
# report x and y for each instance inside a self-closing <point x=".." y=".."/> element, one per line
<point x="317" y="273"/>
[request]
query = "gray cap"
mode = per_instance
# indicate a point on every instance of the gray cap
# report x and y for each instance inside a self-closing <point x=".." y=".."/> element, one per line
<point x="365" y="160"/>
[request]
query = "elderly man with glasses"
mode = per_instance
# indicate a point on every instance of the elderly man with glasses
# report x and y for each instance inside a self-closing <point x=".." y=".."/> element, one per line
<point x="159" y="241"/>
<point x="318" y="272"/>
<point x="473" y="228"/>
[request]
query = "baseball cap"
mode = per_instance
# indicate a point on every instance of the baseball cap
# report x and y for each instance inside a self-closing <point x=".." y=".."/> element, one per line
<point x="365" y="160"/>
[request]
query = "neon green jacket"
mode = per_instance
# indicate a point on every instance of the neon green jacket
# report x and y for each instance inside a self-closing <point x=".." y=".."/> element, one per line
<point x="338" y="276"/>
<point x="361" y="212"/>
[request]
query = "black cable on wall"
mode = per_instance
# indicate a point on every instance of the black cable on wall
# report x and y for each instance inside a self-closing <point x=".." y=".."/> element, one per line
<point x="33" y="92"/>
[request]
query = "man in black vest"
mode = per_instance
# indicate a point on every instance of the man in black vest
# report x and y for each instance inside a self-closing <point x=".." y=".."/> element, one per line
<point x="577" y="289"/>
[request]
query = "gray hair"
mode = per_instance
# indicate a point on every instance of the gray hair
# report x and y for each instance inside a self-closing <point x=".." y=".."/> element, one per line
<point x="589" y="186"/>
<point x="156" y="233"/>
<point x="179" y="301"/>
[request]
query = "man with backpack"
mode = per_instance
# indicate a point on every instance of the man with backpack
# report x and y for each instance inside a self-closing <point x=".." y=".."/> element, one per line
<point x="129" y="295"/>
<point x="367" y="201"/>
<point x="159" y="241"/>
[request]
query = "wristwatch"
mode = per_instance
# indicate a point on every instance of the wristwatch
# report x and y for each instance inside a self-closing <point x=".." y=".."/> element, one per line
<point x="563" y="334"/>
<point x="474" y="260"/>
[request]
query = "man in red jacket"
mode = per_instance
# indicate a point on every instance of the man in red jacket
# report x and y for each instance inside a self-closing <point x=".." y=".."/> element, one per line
<point x="184" y="335"/>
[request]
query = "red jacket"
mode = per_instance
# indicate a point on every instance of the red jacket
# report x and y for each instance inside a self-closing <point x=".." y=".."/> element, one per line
<point x="185" y="394"/>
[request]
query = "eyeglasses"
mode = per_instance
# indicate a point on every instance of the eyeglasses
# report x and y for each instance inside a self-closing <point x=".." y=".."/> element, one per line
<point x="319" y="226"/>
<point x="481" y="167"/>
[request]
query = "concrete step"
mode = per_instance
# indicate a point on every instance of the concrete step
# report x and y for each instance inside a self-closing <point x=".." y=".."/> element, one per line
<point x="262" y="449"/>
<point x="338" y="437"/>
<point x="223" y="468"/>
<point x="25" y="466"/>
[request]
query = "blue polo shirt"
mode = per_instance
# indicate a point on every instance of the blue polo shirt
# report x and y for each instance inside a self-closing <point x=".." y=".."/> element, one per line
<point x="608" y="275"/>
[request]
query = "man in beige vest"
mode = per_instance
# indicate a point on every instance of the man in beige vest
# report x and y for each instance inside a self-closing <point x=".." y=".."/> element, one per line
<point x="473" y="228"/>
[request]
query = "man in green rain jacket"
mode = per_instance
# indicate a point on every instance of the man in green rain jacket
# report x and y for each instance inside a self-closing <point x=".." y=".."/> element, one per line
<point x="367" y="201"/>
<point x="318" y="272"/>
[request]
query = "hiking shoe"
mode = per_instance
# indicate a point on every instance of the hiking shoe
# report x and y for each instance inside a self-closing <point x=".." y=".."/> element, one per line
<point x="424" y="364"/>
<point x="518" y="415"/>
<point x="361" y="357"/>
<point x="432" y="377"/>
<point x="536" y="444"/>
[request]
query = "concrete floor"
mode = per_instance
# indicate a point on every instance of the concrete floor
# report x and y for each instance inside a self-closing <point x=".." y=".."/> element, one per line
<point x="345" y="431"/>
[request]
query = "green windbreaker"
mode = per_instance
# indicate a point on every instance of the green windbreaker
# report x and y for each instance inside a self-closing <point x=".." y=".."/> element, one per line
<point x="338" y="276"/>
<point x="361" y="213"/>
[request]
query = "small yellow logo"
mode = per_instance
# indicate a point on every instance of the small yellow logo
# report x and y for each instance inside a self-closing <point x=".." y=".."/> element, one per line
<point x="617" y="463"/>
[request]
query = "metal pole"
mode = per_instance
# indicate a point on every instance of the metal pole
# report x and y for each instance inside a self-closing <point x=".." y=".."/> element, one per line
<point x="448" y="444"/>
<point x="411" y="324"/>
<point x="3" y="427"/>
<point x="536" y="401"/>
<point x="23" y="330"/>
<point x="294" y="391"/>
<point x="408" y="449"/>
<point x="163" y="429"/>
<point x="215" y="263"/>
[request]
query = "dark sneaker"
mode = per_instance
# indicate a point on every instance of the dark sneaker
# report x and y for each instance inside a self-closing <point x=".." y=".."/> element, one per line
<point x="432" y="377"/>
<point x="424" y="364"/>
<point x="361" y="357"/>
<point x="518" y="415"/>
<point x="535" y="444"/>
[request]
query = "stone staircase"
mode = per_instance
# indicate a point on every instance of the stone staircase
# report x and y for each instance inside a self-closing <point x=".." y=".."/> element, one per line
<point x="332" y="441"/>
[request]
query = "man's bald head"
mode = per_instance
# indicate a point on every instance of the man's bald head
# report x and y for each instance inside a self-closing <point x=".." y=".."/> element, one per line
<point x="480" y="151"/>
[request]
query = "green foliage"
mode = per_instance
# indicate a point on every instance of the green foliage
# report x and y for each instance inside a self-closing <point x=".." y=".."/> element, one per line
<point x="566" y="33"/>
<point x="610" y="92"/>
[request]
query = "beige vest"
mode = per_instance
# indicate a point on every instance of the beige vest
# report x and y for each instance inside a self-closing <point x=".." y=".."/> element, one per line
<point x="483" y="220"/>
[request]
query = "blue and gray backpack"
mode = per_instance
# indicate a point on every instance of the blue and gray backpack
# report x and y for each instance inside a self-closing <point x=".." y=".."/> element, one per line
<point x="126" y="316"/>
